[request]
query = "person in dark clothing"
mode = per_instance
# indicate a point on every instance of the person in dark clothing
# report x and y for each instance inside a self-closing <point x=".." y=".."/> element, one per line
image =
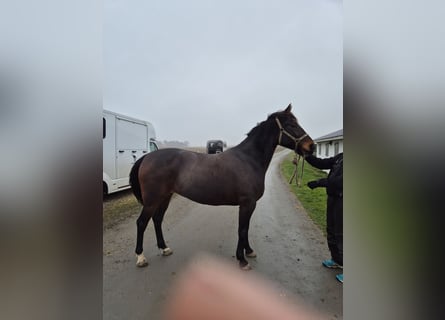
<point x="334" y="215"/>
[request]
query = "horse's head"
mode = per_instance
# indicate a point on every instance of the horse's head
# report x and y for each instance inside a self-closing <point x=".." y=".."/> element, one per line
<point x="291" y="134"/>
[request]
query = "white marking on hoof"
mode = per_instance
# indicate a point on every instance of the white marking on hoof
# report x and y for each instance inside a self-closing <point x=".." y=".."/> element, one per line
<point x="247" y="267"/>
<point x="166" y="251"/>
<point x="142" y="261"/>
<point x="251" y="255"/>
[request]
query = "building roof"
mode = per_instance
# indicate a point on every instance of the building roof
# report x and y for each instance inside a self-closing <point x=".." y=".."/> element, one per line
<point x="336" y="135"/>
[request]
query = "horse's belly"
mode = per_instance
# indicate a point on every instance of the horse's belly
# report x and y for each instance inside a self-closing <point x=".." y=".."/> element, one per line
<point x="210" y="196"/>
<point x="218" y="187"/>
<point x="217" y="195"/>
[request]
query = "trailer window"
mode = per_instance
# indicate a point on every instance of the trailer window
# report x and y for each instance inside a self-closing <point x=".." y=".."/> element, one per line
<point x="153" y="146"/>
<point x="104" y="125"/>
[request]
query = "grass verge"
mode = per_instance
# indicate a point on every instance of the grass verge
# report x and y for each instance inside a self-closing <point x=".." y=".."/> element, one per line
<point x="119" y="206"/>
<point x="313" y="201"/>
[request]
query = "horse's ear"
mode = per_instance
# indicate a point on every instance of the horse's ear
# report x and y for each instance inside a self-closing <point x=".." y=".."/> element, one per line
<point x="289" y="108"/>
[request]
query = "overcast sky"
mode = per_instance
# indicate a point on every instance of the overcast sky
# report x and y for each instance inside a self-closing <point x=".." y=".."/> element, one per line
<point x="201" y="70"/>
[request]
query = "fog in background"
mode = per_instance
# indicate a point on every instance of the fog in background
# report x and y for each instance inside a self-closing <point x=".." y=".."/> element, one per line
<point x="201" y="70"/>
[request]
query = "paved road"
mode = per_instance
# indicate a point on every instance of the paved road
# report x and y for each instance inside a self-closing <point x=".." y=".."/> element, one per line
<point x="289" y="247"/>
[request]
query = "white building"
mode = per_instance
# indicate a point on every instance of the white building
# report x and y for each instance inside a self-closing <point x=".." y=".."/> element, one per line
<point x="330" y="144"/>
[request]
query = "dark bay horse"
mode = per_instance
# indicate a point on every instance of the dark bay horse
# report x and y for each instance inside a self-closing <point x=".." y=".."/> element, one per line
<point x="233" y="177"/>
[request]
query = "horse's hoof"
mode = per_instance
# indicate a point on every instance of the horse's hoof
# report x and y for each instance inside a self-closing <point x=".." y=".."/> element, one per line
<point x="251" y="255"/>
<point x="246" y="267"/>
<point x="141" y="264"/>
<point x="142" y="261"/>
<point x="166" y="251"/>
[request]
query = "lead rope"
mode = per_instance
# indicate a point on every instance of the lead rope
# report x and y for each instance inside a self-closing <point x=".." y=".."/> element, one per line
<point x="294" y="174"/>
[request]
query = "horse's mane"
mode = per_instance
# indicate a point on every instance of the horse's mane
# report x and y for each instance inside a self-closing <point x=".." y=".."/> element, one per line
<point x="254" y="131"/>
<point x="264" y="124"/>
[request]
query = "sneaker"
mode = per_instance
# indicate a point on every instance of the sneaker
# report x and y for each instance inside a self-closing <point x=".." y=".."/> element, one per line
<point x="339" y="277"/>
<point x="331" y="264"/>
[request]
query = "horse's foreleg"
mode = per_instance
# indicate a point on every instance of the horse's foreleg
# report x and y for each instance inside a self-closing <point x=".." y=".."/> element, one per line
<point x="249" y="251"/>
<point x="245" y="212"/>
<point x="141" y="224"/>
<point x="157" y="221"/>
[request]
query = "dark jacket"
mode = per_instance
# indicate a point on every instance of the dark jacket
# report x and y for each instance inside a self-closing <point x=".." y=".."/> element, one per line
<point x="334" y="181"/>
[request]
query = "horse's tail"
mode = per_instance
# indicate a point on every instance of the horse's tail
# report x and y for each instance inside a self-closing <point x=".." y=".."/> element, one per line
<point x="134" y="180"/>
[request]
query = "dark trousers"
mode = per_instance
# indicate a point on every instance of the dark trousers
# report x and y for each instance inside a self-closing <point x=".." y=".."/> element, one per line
<point x="334" y="223"/>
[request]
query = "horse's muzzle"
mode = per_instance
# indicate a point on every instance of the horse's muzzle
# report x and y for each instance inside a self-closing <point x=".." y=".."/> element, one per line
<point x="306" y="147"/>
<point x="312" y="148"/>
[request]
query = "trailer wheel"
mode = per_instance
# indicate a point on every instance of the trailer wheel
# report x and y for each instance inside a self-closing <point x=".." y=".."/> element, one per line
<point x="105" y="188"/>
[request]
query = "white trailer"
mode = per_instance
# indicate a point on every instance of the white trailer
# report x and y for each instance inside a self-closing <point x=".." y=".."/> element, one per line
<point x="125" y="140"/>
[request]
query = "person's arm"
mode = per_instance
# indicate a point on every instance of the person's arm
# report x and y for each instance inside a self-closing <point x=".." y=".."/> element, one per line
<point x="323" y="182"/>
<point x="320" y="163"/>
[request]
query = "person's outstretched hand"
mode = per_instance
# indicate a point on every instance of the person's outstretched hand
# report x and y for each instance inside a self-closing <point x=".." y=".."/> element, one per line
<point x="313" y="184"/>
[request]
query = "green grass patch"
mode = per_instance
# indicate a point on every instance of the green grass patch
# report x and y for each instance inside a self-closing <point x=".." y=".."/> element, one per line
<point x="313" y="201"/>
<point x="118" y="207"/>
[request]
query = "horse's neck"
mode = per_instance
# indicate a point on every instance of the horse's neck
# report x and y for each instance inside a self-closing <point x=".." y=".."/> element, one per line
<point x="260" y="148"/>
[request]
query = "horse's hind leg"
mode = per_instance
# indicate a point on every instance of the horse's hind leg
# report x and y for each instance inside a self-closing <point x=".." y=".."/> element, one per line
<point x="157" y="221"/>
<point x="141" y="224"/>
